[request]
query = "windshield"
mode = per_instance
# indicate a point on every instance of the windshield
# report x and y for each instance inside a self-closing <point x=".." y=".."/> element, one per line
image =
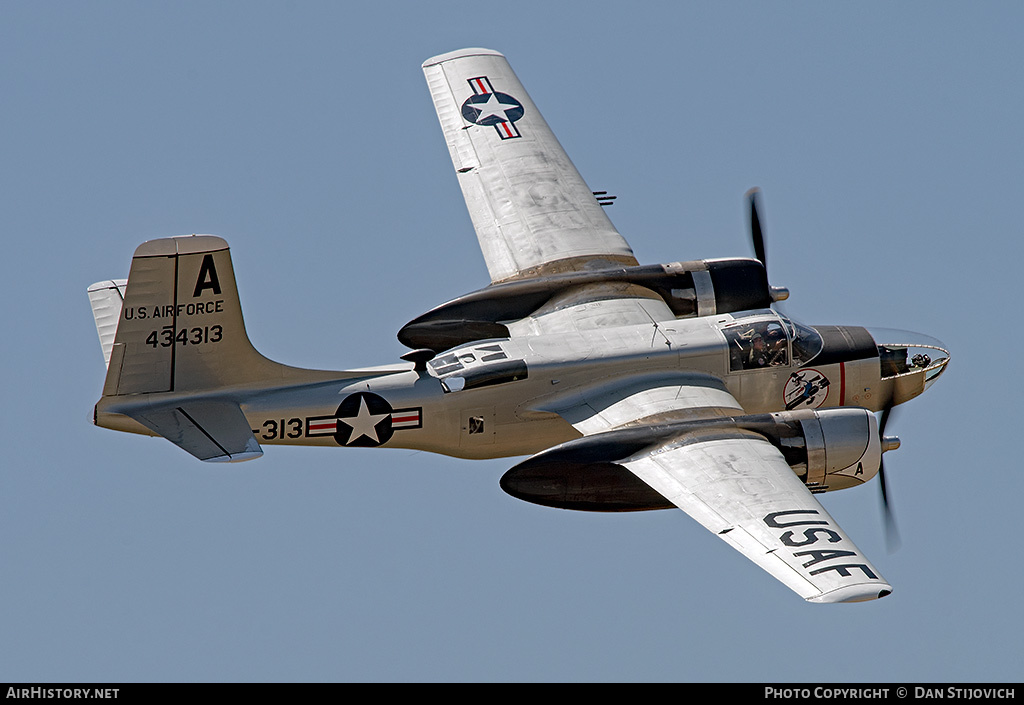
<point x="806" y="341"/>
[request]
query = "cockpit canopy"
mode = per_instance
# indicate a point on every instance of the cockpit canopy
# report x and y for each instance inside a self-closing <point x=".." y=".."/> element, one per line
<point x="764" y="338"/>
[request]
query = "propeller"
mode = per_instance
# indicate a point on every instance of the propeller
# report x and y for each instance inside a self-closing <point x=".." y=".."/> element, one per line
<point x="778" y="293"/>
<point x="892" y="535"/>
<point x="756" y="235"/>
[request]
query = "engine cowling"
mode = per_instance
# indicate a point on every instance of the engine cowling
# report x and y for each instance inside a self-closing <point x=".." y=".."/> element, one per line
<point x="832" y="449"/>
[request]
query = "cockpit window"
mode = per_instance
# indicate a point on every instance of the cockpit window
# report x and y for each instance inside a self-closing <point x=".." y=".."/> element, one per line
<point x="806" y="342"/>
<point x="757" y="344"/>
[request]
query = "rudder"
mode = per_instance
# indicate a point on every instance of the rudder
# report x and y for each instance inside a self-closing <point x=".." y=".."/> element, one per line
<point x="106" y="298"/>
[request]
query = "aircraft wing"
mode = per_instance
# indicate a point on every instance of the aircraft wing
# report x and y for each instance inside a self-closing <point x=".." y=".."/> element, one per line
<point x="732" y="480"/>
<point x="533" y="213"/>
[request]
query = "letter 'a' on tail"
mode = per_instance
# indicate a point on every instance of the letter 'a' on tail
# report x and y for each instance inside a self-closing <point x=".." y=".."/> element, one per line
<point x="180" y="353"/>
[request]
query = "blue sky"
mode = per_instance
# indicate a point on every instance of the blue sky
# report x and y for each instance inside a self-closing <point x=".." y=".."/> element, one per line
<point x="886" y="140"/>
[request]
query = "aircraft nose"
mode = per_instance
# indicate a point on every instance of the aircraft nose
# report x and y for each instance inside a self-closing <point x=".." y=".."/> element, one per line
<point x="903" y="352"/>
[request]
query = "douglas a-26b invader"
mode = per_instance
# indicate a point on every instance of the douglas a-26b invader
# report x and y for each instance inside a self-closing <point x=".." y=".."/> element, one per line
<point x="630" y="386"/>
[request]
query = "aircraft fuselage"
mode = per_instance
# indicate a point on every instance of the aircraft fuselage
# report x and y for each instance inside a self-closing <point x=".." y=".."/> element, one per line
<point x="499" y="397"/>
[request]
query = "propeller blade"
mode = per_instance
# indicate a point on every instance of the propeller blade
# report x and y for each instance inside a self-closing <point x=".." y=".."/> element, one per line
<point x="756" y="234"/>
<point x="892" y="534"/>
<point x="777" y="293"/>
<point x="886" y="412"/>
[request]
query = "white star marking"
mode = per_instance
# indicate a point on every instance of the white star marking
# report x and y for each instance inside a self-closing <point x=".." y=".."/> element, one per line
<point x="493" y="107"/>
<point x="364" y="423"/>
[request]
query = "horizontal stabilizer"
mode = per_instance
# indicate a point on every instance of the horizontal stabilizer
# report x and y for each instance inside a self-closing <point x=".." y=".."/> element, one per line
<point x="216" y="431"/>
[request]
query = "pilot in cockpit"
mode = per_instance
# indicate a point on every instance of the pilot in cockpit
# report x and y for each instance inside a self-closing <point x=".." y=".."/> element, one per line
<point x="757" y="355"/>
<point x="763" y="344"/>
<point x="776" y="346"/>
<point x="764" y="349"/>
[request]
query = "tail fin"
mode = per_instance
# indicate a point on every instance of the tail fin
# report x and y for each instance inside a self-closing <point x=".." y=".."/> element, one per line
<point x="180" y="364"/>
<point x="180" y="327"/>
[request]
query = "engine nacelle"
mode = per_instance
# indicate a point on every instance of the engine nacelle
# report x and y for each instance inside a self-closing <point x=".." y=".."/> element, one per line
<point x="701" y="288"/>
<point x="830" y="449"/>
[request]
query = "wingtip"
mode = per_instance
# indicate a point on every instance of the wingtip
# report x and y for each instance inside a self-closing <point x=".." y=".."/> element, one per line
<point x="853" y="593"/>
<point x="459" y="54"/>
<point x="235" y="457"/>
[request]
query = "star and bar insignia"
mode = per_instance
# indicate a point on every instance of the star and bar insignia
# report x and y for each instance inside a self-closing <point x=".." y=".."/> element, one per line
<point x="364" y="419"/>
<point x="489" y="107"/>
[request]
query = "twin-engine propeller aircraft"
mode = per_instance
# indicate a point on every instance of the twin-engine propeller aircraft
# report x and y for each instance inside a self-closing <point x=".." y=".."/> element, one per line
<point x="631" y="387"/>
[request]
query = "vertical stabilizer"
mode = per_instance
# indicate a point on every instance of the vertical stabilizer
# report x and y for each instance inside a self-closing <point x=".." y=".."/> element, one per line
<point x="179" y="362"/>
<point x="180" y="327"/>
